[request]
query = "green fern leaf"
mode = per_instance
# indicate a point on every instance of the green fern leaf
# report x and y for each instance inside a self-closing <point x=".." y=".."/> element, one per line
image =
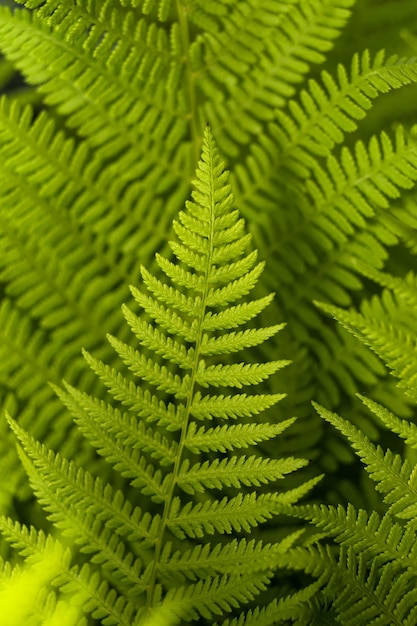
<point x="277" y="611"/>
<point x="361" y="591"/>
<point x="233" y="472"/>
<point x="394" y="477"/>
<point x="133" y="552"/>
<point x="387" y="326"/>
<point x="229" y="437"/>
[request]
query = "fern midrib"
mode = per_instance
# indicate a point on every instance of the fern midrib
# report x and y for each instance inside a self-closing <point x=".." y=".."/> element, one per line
<point x="159" y="543"/>
<point x="190" y="85"/>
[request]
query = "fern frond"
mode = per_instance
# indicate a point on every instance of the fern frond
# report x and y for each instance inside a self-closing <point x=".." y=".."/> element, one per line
<point x="361" y="591"/>
<point x="236" y="289"/>
<point x="153" y="442"/>
<point x="26" y="598"/>
<point x="236" y="315"/>
<point x="234" y="342"/>
<point x="133" y="85"/>
<point x="99" y="421"/>
<point x="386" y="326"/>
<point x="238" y="405"/>
<point x="325" y="111"/>
<point x="380" y="593"/>
<point x="277" y="611"/>
<point x="405" y="429"/>
<point x="152" y="372"/>
<point x="94" y="594"/>
<point x="91" y="178"/>
<point x="158" y="342"/>
<point x="125" y="458"/>
<point x="349" y="196"/>
<point x="237" y="374"/>
<point x="247" y="557"/>
<point x="394" y="477"/>
<point x="369" y="535"/>
<point x="85" y="495"/>
<point x="166" y="294"/>
<point x="217" y="595"/>
<point x="351" y="184"/>
<point x="248" y="43"/>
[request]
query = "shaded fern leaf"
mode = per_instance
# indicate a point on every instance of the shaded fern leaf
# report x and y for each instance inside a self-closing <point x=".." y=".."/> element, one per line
<point x="375" y="576"/>
<point x="158" y="441"/>
<point x="362" y="591"/>
<point x="387" y="324"/>
<point x="278" y="611"/>
<point x="394" y="476"/>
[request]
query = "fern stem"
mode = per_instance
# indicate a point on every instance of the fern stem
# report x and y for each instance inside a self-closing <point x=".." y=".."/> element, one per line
<point x="168" y="502"/>
<point x="190" y="86"/>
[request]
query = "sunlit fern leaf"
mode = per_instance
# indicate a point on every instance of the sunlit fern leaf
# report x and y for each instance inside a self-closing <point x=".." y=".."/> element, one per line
<point x="92" y="592"/>
<point x="154" y="442"/>
<point x="26" y="596"/>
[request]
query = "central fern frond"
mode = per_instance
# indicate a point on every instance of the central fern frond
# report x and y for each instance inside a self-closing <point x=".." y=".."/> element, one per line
<point x="159" y="438"/>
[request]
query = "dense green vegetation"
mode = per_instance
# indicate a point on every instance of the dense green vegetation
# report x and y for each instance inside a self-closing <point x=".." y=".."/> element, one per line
<point x="177" y="499"/>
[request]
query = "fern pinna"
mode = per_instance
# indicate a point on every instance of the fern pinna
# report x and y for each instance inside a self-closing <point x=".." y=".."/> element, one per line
<point x="173" y="549"/>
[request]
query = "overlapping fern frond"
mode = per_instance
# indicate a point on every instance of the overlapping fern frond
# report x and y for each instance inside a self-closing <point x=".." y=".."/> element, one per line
<point x="374" y="576"/>
<point x="202" y="482"/>
<point x="386" y="323"/>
